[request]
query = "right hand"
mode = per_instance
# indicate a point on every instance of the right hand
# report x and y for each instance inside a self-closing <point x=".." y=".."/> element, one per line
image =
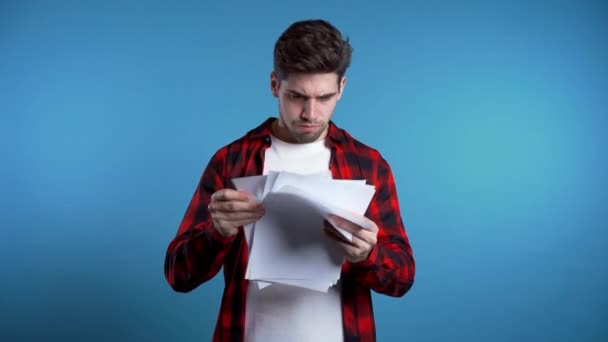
<point x="231" y="209"/>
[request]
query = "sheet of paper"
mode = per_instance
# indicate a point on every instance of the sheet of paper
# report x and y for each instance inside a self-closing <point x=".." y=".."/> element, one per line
<point x="288" y="245"/>
<point x="255" y="186"/>
<point x="317" y="285"/>
<point x="325" y="209"/>
<point x="290" y="242"/>
<point x="338" y="197"/>
<point x="270" y="180"/>
<point x="342" y="193"/>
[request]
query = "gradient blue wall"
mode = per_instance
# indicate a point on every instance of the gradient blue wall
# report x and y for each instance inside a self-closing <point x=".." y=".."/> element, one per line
<point x="493" y="116"/>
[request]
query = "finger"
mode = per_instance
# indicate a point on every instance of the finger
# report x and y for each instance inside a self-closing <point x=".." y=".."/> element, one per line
<point x="334" y="234"/>
<point x="237" y="216"/>
<point x="336" y="239"/>
<point x="343" y="223"/>
<point x="348" y="249"/>
<point x="231" y="195"/>
<point x="365" y="236"/>
<point x="364" y="243"/>
<point x="236" y="206"/>
<point x="369" y="225"/>
<point x="361" y="244"/>
<point x="246" y="222"/>
<point x="355" y="230"/>
<point x="238" y="223"/>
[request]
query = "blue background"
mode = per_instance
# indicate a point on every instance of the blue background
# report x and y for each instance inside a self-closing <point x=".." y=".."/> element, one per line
<point x="493" y="116"/>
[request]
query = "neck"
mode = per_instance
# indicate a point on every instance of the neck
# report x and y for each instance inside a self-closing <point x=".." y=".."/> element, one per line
<point x="280" y="132"/>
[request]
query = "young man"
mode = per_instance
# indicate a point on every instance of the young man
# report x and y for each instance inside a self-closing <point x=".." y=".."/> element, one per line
<point x="310" y="60"/>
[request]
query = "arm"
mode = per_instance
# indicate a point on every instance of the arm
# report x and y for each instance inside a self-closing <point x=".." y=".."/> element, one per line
<point x="197" y="252"/>
<point x="390" y="268"/>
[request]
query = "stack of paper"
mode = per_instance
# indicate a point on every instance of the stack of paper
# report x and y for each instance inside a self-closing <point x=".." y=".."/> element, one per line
<point x="288" y="244"/>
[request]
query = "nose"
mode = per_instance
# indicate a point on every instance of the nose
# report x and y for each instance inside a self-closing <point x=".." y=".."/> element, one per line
<point x="309" y="110"/>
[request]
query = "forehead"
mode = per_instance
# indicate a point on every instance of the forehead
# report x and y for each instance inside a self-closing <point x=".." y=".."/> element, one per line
<point x="311" y="84"/>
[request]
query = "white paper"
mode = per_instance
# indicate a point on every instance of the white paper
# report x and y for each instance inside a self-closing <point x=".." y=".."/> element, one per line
<point x="288" y="244"/>
<point x="290" y="241"/>
<point x="336" y="197"/>
<point x="255" y="186"/>
<point x="317" y="285"/>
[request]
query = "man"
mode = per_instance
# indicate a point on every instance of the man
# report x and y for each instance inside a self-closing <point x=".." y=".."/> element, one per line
<point x="310" y="61"/>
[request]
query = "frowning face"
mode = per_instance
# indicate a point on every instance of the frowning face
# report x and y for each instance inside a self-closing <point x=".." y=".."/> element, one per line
<point x="306" y="105"/>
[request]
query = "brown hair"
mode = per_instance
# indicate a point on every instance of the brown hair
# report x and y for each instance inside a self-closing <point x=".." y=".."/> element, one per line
<point x="311" y="46"/>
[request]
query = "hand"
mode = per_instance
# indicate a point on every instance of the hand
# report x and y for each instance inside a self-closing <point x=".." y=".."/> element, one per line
<point x="231" y="209"/>
<point x="363" y="239"/>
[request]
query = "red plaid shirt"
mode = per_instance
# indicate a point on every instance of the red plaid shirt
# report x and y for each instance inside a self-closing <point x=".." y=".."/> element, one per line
<point x="198" y="251"/>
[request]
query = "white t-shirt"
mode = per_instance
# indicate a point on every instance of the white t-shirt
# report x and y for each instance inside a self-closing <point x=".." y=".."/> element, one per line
<point x="289" y="313"/>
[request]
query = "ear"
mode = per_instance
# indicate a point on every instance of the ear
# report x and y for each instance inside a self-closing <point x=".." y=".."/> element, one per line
<point x="342" y="86"/>
<point x="274" y="84"/>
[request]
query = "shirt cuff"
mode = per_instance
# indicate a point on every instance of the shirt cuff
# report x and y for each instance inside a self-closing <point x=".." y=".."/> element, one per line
<point x="221" y="240"/>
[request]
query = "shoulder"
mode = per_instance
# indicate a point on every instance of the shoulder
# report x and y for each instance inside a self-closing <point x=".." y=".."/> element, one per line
<point x="232" y="151"/>
<point x="238" y="147"/>
<point x="372" y="165"/>
<point x="366" y="153"/>
<point x="234" y="159"/>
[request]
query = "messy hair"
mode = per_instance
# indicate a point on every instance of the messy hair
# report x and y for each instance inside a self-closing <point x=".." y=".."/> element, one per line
<point x="311" y="46"/>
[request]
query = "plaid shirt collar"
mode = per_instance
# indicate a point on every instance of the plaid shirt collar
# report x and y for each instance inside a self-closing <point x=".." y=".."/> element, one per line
<point x="335" y="134"/>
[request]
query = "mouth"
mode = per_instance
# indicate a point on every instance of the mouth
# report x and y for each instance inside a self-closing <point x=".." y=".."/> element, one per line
<point x="308" y="128"/>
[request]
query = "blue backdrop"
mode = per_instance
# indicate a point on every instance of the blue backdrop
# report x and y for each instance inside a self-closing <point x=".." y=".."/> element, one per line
<point x="493" y="116"/>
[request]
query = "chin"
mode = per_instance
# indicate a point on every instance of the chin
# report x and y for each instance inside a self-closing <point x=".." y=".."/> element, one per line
<point x="307" y="138"/>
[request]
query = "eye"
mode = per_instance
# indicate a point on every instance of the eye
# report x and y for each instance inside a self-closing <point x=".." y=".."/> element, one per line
<point x="295" y="96"/>
<point x="325" y="98"/>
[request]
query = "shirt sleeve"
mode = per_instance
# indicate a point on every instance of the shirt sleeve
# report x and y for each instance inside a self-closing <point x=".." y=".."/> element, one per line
<point x="197" y="252"/>
<point x="390" y="267"/>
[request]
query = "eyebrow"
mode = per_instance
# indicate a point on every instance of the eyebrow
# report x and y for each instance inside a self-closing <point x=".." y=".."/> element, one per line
<point x="294" y="92"/>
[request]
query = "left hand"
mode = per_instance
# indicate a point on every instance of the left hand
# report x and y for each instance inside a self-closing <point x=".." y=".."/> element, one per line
<point x="363" y="239"/>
